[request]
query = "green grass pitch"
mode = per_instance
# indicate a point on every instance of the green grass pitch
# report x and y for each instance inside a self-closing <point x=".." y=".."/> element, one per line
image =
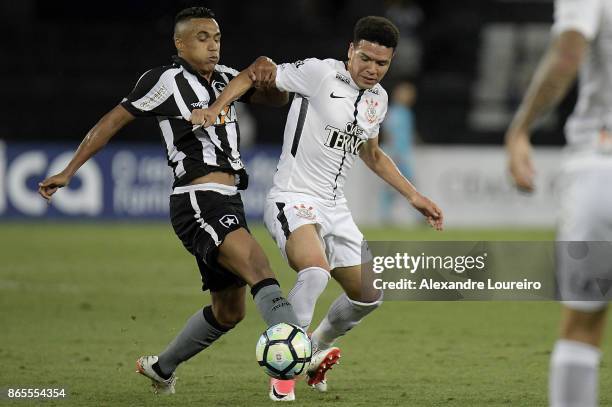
<point x="80" y="302"/>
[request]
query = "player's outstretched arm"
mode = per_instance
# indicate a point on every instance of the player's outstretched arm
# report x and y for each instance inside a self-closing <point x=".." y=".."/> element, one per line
<point x="553" y="78"/>
<point x="383" y="166"/>
<point x="95" y="139"/>
<point x="261" y="74"/>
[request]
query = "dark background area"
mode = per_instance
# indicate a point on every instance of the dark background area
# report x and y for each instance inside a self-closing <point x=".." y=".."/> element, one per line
<point x="65" y="63"/>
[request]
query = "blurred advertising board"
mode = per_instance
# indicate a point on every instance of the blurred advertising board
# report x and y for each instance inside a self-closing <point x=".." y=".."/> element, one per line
<point x="132" y="181"/>
<point x="471" y="184"/>
<point x="123" y="181"/>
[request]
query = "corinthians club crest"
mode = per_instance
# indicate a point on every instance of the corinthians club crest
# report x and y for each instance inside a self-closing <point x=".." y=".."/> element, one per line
<point x="371" y="113"/>
<point x="305" y="212"/>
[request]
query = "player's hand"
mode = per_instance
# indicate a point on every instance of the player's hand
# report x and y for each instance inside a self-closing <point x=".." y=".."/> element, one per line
<point x="430" y="210"/>
<point x="204" y="117"/>
<point x="262" y="72"/>
<point x="49" y="186"/>
<point x="519" y="160"/>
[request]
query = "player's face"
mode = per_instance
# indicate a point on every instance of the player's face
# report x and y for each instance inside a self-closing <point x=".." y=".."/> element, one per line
<point x="198" y="41"/>
<point x="368" y="63"/>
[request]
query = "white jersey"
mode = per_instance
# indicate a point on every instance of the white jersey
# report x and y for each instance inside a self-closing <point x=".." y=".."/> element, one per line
<point x="329" y="121"/>
<point x="591" y="121"/>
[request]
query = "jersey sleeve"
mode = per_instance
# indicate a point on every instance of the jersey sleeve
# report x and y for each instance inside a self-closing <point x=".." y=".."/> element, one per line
<point x="583" y="16"/>
<point x="151" y="96"/>
<point x="302" y="77"/>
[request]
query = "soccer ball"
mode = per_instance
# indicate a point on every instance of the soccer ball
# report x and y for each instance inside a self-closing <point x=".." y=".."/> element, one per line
<point x="284" y="351"/>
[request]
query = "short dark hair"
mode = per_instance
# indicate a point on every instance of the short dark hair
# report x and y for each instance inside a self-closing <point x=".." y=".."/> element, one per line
<point x="376" y="29"/>
<point x="193" y="12"/>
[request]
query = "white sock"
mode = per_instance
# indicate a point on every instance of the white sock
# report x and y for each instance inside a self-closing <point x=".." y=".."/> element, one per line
<point x="342" y="316"/>
<point x="303" y="296"/>
<point x="574" y="368"/>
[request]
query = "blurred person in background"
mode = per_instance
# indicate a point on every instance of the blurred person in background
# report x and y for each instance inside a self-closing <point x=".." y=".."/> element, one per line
<point x="206" y="210"/>
<point x="582" y="42"/>
<point x="397" y="140"/>
<point x="407" y="15"/>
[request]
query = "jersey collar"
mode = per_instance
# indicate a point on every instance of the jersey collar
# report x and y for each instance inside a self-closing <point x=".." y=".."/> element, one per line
<point x="186" y="66"/>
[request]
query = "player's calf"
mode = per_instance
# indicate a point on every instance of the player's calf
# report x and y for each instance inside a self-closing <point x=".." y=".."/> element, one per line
<point x="343" y="315"/>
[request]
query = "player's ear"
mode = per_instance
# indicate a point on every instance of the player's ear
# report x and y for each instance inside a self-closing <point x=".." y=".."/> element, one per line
<point x="178" y="43"/>
<point x="351" y="51"/>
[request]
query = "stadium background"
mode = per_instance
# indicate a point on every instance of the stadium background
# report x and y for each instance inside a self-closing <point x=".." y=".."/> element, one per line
<point x="94" y="295"/>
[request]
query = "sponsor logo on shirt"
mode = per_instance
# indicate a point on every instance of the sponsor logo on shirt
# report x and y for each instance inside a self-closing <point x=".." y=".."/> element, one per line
<point x="236" y="163"/>
<point x="201" y="104"/>
<point x="227" y="115"/>
<point x="342" y="78"/>
<point x="349" y="140"/>
<point x="152" y="99"/>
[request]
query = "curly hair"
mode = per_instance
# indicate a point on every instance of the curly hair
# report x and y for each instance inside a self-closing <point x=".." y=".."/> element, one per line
<point x="376" y="29"/>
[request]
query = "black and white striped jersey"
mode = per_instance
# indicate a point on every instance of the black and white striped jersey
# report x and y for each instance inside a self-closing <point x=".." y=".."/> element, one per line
<point x="169" y="93"/>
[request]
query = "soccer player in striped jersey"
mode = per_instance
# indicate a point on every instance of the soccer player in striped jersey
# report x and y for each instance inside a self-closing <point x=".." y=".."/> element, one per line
<point x="582" y="42"/>
<point x="205" y="207"/>
<point x="334" y="118"/>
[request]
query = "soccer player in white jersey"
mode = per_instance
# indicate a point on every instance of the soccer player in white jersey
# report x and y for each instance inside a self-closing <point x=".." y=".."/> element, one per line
<point x="582" y="43"/>
<point x="335" y="116"/>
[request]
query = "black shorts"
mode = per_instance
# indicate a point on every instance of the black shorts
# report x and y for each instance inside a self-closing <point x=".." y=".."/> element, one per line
<point x="202" y="219"/>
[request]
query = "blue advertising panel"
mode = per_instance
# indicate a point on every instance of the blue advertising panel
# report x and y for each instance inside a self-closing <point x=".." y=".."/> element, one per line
<point x="123" y="181"/>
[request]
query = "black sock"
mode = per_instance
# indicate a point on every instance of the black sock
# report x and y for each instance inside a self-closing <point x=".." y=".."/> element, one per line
<point x="158" y="370"/>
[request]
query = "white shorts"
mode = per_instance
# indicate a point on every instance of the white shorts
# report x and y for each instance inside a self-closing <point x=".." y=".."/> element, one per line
<point x="585" y="264"/>
<point x="286" y="211"/>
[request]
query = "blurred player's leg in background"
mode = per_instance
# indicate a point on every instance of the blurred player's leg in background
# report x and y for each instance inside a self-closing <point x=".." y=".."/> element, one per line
<point x="586" y="199"/>
<point x="574" y="364"/>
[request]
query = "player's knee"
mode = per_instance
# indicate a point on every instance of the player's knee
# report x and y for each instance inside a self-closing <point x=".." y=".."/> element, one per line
<point x="307" y="261"/>
<point x="232" y="319"/>
<point x="580" y="325"/>
<point x="251" y="267"/>
<point x="583" y="326"/>
<point x="366" y="305"/>
<point x="256" y="269"/>
<point x="368" y="296"/>
<point x="230" y="316"/>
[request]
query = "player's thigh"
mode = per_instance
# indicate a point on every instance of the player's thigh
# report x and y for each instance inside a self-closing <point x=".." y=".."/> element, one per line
<point x="294" y="222"/>
<point x="352" y="281"/>
<point x="583" y="326"/>
<point x="242" y="255"/>
<point x="586" y="199"/>
<point x="228" y="305"/>
<point x="304" y="249"/>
